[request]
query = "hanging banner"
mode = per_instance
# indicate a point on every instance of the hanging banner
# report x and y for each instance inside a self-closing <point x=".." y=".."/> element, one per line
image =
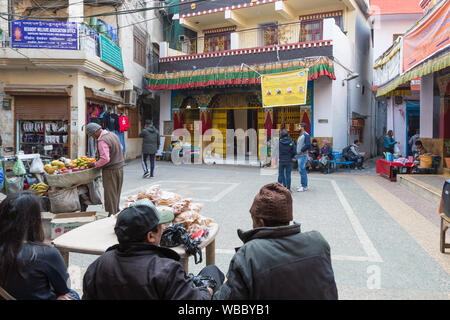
<point x="284" y="89"/>
<point x="431" y="36"/>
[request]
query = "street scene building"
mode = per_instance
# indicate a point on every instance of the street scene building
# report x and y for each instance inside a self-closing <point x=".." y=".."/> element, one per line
<point x="211" y="66"/>
<point x="78" y="77"/>
<point x="224" y="150"/>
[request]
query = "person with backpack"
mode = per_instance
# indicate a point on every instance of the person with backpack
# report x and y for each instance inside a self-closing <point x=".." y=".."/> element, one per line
<point x="150" y="146"/>
<point x="287" y="152"/>
<point x="353" y="153"/>
<point x="303" y="146"/>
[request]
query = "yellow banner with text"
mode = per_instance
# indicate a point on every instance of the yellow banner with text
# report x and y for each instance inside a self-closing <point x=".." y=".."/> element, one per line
<point x="284" y="89"/>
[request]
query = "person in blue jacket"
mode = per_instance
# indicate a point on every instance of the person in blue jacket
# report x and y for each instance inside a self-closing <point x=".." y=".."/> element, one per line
<point x="303" y="146"/>
<point x="389" y="142"/>
<point x="287" y="152"/>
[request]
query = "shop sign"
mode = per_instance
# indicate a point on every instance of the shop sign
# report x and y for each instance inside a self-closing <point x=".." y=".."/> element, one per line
<point x="33" y="34"/>
<point x="110" y="53"/>
<point x="285" y="89"/>
<point x="430" y="37"/>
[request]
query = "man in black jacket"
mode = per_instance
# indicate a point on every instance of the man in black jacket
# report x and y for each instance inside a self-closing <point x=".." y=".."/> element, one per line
<point x="138" y="268"/>
<point x="150" y="146"/>
<point x="287" y="152"/>
<point x="277" y="261"/>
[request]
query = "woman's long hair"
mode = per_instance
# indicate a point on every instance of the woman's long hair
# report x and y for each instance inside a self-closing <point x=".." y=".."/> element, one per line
<point x="20" y="220"/>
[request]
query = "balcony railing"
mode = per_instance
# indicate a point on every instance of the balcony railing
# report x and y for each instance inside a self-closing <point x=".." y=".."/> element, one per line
<point x="265" y="35"/>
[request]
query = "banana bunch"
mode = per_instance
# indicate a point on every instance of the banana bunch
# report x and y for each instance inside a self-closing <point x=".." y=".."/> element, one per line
<point x="39" y="188"/>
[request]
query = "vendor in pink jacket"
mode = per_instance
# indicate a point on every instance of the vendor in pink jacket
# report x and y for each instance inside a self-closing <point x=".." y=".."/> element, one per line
<point x="111" y="162"/>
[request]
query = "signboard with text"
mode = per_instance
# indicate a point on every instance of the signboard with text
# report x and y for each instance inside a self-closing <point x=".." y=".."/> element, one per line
<point x="111" y="53"/>
<point x="32" y="34"/>
<point x="429" y="37"/>
<point x="285" y="89"/>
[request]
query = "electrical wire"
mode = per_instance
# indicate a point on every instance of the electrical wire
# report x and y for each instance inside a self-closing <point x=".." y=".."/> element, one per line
<point x="103" y="14"/>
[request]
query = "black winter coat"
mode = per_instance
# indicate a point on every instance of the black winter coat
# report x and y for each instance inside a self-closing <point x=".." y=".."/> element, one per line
<point x="287" y="150"/>
<point x="280" y="263"/>
<point x="139" y="271"/>
<point x="151" y="141"/>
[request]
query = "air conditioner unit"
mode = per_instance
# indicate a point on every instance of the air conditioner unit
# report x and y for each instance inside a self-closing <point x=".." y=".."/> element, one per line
<point x="130" y="97"/>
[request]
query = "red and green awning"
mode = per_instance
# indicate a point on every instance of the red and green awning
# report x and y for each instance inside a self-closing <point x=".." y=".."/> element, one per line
<point x="224" y="76"/>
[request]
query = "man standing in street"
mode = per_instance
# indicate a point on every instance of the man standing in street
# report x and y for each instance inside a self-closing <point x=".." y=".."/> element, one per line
<point x="150" y="145"/>
<point x="111" y="162"/>
<point x="277" y="260"/>
<point x="303" y="146"/>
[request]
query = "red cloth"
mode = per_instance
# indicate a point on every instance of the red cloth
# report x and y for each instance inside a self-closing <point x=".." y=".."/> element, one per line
<point x="268" y="125"/>
<point x="123" y="123"/>
<point x="306" y="121"/>
<point x="384" y="166"/>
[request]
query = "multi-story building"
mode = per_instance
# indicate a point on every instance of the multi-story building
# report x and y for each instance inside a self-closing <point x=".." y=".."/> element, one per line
<point x="390" y="20"/>
<point x="66" y="63"/>
<point x="420" y="53"/>
<point x="210" y="70"/>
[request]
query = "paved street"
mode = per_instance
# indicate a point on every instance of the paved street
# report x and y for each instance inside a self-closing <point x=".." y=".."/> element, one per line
<point x="384" y="239"/>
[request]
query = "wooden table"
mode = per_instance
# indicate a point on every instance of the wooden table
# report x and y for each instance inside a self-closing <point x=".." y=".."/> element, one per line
<point x="96" y="237"/>
<point x="388" y="169"/>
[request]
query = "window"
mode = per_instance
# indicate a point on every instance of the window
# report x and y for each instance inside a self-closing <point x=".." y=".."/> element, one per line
<point x="133" y="120"/>
<point x="217" y="42"/>
<point x="140" y="48"/>
<point x="268" y="34"/>
<point x="311" y="30"/>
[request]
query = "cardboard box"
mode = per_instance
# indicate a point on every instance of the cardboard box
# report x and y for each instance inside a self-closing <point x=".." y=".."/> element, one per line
<point x="64" y="222"/>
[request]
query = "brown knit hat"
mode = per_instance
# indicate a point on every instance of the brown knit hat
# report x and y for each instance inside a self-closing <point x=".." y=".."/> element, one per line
<point x="273" y="203"/>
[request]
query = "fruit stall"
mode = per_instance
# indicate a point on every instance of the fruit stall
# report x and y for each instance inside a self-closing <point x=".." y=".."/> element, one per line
<point x="64" y="185"/>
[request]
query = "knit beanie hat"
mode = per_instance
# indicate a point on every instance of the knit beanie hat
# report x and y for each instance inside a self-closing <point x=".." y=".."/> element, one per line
<point x="92" y="128"/>
<point x="273" y="203"/>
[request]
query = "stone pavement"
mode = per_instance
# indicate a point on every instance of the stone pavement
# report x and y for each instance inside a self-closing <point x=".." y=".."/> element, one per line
<point x="384" y="238"/>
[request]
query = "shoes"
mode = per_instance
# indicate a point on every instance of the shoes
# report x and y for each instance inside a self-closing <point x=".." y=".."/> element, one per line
<point x="152" y="176"/>
<point x="146" y="175"/>
<point x="301" y="189"/>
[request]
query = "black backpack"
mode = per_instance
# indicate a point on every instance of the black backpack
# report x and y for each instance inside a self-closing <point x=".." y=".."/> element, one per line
<point x="346" y="153"/>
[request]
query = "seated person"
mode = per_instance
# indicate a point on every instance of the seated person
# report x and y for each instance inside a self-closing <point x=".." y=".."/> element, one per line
<point x="29" y="269"/>
<point x="420" y="150"/>
<point x="354" y="154"/>
<point x="326" y="154"/>
<point x="277" y="260"/>
<point x="313" y="154"/>
<point x="138" y="268"/>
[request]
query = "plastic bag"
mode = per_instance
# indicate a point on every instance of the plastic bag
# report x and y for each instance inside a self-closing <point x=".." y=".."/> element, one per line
<point x="13" y="185"/>
<point x="95" y="196"/>
<point x="396" y="149"/>
<point x="30" y="179"/>
<point x="37" y="166"/>
<point x="64" y="200"/>
<point x="19" y="168"/>
<point x="2" y="177"/>
<point x="176" y="235"/>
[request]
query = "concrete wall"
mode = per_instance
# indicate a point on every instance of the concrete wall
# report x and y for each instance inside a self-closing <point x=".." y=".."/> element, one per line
<point x="322" y="102"/>
<point x="165" y="108"/>
<point x="426" y="106"/>
<point x="385" y="26"/>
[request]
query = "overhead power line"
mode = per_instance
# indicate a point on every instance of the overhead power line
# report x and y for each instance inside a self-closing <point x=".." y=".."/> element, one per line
<point x="104" y="14"/>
